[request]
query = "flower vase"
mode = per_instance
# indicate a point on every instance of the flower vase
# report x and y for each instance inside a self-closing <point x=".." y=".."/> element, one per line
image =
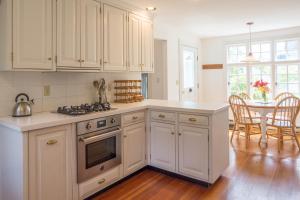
<point x="264" y="96"/>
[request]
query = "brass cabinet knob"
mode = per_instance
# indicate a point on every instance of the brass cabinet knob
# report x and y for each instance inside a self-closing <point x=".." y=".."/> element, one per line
<point x="179" y="134"/>
<point x="172" y="133"/>
<point x="161" y="116"/>
<point x="134" y="117"/>
<point x="101" y="181"/>
<point x="52" y="142"/>
<point x="49" y="58"/>
<point x="125" y="136"/>
<point x="192" y="119"/>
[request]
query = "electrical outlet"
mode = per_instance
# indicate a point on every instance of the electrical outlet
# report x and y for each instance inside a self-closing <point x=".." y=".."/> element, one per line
<point x="47" y="90"/>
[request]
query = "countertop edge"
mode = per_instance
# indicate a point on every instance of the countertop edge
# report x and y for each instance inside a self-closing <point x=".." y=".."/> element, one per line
<point x="72" y="119"/>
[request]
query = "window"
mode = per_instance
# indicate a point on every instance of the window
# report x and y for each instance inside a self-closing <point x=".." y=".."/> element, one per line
<point x="280" y="66"/>
<point x="238" y="80"/>
<point x="287" y="50"/>
<point x="287" y="79"/>
<point x="236" y="53"/>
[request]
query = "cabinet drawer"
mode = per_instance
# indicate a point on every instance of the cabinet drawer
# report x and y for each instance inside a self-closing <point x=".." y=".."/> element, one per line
<point x="163" y="116"/>
<point x="194" y="119"/>
<point x="98" y="183"/>
<point x="133" y="117"/>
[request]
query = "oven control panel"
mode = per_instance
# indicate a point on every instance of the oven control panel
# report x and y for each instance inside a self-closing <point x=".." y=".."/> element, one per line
<point x="98" y="124"/>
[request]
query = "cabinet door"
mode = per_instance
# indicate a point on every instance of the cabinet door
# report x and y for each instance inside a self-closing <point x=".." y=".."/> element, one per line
<point x="147" y="46"/>
<point x="90" y="34"/>
<point x="33" y="31"/>
<point x="163" y="146"/>
<point x="68" y="33"/>
<point x="50" y="164"/>
<point x="134" y="43"/>
<point x="134" y="148"/>
<point x="114" y="39"/>
<point x="193" y="152"/>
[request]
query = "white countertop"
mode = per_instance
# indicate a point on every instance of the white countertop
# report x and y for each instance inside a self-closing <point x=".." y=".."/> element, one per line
<point x="49" y="119"/>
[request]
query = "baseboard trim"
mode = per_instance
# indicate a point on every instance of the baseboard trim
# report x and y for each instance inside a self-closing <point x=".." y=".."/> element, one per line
<point x="172" y="174"/>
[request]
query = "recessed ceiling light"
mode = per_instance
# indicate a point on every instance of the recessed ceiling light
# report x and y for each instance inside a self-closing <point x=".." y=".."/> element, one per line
<point x="151" y="8"/>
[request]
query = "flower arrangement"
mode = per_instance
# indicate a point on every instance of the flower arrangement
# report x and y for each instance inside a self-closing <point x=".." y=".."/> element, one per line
<point x="263" y="88"/>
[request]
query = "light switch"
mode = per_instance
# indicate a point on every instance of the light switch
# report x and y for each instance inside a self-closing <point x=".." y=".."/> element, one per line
<point x="47" y="90"/>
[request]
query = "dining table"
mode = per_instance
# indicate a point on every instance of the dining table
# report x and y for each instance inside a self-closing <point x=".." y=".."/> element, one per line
<point x="263" y="108"/>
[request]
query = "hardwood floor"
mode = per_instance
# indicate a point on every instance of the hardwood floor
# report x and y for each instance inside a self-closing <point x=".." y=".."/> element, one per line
<point x="253" y="174"/>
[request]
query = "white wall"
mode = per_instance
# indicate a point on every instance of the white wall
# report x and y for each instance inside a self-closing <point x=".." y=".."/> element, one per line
<point x="214" y="52"/>
<point x="174" y="36"/>
<point x="65" y="88"/>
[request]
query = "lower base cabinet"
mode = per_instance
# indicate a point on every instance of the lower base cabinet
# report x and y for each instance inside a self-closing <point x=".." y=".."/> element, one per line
<point x="50" y="164"/>
<point x="163" y="146"/>
<point x="134" y="148"/>
<point x="193" y="152"/>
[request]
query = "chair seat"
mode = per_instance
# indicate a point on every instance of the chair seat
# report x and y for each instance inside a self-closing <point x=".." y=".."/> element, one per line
<point x="280" y="124"/>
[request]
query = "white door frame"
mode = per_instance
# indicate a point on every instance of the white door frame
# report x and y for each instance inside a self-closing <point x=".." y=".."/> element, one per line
<point x="181" y="47"/>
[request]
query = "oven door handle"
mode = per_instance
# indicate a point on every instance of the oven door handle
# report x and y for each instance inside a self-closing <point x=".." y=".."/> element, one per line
<point x="96" y="138"/>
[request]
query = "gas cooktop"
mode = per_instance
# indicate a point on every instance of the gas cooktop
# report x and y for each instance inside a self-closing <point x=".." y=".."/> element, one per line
<point x="84" y="109"/>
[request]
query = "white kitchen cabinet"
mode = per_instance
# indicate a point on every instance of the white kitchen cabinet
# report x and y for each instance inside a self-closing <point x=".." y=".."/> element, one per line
<point x="6" y="35"/>
<point x="193" y="152"/>
<point x="140" y="44"/>
<point x="134" y="148"/>
<point x="147" y="46"/>
<point x="33" y="34"/>
<point x="134" y="43"/>
<point x="90" y="34"/>
<point x="115" y="38"/>
<point x="50" y="167"/>
<point x="163" y="146"/>
<point x="68" y="33"/>
<point x="79" y="34"/>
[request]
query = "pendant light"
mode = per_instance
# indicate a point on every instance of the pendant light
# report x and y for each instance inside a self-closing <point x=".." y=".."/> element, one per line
<point x="250" y="58"/>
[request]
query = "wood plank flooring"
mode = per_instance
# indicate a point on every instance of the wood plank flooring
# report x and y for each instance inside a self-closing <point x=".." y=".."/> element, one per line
<point x="253" y="174"/>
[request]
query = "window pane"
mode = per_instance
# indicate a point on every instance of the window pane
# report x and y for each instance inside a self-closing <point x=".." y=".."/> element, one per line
<point x="260" y="72"/>
<point x="287" y="50"/>
<point x="262" y="51"/>
<point x="287" y="79"/>
<point x="189" y="69"/>
<point x="236" y="53"/>
<point x="238" y="79"/>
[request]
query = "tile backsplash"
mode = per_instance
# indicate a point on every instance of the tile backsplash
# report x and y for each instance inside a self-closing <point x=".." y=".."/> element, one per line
<point x="66" y="88"/>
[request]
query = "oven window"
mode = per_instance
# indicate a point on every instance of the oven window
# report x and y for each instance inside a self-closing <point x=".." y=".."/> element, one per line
<point x="100" y="152"/>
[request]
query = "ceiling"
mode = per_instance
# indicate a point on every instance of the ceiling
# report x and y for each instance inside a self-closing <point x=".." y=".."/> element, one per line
<point x="210" y="18"/>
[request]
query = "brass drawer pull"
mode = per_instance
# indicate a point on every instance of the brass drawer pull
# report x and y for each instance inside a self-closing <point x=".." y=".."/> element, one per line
<point x="161" y="116"/>
<point x="192" y="119"/>
<point x="52" y="142"/>
<point x="172" y="133"/>
<point x="101" y="181"/>
<point x="134" y="117"/>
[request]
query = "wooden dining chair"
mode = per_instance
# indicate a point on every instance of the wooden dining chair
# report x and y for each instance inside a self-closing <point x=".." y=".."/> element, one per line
<point x="283" y="95"/>
<point x="284" y="120"/>
<point x="244" y="96"/>
<point x="243" y="118"/>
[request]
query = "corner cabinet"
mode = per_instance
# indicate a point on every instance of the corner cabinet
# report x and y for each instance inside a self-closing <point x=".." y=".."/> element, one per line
<point x="50" y="167"/>
<point x="115" y="38"/>
<point x="34" y="34"/>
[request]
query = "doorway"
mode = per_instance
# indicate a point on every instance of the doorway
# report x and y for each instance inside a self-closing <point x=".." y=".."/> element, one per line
<point x="188" y="73"/>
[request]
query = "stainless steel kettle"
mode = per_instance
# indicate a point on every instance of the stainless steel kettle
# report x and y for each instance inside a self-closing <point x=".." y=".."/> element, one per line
<point x="23" y="106"/>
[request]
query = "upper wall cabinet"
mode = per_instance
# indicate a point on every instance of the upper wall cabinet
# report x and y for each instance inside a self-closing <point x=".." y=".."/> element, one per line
<point x="6" y="34"/>
<point x="33" y="34"/>
<point x="140" y="44"/>
<point x="147" y="46"/>
<point x="79" y="35"/>
<point x="115" y="39"/>
<point x="68" y="33"/>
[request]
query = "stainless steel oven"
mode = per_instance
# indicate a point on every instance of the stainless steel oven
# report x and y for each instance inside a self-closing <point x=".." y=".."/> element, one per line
<point x="98" y="146"/>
